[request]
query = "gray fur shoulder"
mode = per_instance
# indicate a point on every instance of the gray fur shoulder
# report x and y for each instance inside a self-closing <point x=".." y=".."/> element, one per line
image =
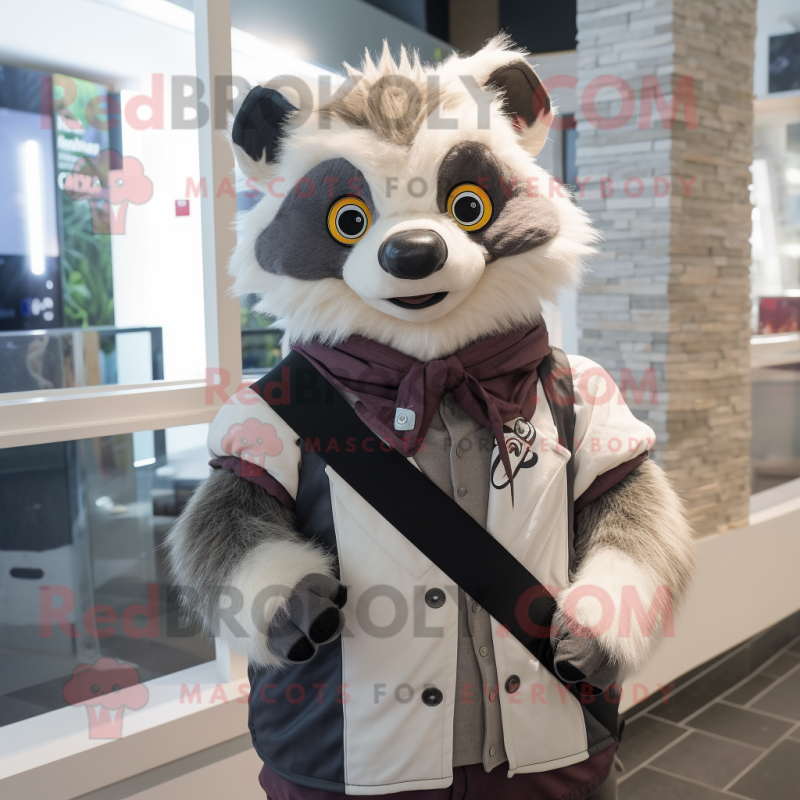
<point x="643" y="517"/>
<point x="225" y="519"/>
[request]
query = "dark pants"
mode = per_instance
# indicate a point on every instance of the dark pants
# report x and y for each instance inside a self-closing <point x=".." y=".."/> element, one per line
<point x="576" y="782"/>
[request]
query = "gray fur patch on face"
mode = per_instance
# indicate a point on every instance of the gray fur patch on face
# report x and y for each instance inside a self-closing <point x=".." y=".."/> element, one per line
<point x="297" y="242"/>
<point x="526" y="222"/>
<point x="470" y="162"/>
<point x="521" y="220"/>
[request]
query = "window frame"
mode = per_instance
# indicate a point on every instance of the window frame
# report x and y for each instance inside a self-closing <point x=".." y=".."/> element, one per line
<point x="37" y="417"/>
<point x="28" y="418"/>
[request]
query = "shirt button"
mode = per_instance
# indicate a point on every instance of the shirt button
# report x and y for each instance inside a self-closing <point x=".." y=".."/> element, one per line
<point x="492" y="751"/>
<point x="435" y="598"/>
<point x="492" y="698"/>
<point x="476" y="607"/>
<point x="484" y="651"/>
<point x="512" y="684"/>
<point x="461" y="491"/>
<point x="432" y="697"/>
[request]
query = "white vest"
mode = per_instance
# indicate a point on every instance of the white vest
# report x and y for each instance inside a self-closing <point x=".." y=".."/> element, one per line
<point x="392" y="740"/>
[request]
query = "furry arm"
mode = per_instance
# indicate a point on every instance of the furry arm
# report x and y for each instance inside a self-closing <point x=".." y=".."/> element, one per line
<point x="247" y="576"/>
<point x="634" y="562"/>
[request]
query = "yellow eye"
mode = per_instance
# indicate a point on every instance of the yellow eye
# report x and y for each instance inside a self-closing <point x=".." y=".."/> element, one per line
<point x="349" y="220"/>
<point x="469" y="206"/>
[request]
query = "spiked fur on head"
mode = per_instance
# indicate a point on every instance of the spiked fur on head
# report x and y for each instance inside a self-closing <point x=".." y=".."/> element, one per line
<point x="394" y="133"/>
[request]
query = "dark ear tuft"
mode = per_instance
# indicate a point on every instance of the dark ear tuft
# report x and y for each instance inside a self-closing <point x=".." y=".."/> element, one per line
<point x="258" y="126"/>
<point x="526" y="99"/>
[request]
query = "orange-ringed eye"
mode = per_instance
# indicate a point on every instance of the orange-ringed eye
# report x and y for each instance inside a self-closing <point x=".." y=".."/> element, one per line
<point x="469" y="206"/>
<point x="349" y="219"/>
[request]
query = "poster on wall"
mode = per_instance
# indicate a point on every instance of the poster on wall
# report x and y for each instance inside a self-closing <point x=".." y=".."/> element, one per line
<point x="86" y="124"/>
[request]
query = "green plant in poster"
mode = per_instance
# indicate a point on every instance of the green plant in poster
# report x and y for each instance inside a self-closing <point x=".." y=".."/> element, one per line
<point x="87" y="277"/>
<point x="86" y="268"/>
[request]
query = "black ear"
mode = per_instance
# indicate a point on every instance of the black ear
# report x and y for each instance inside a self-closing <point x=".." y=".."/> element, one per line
<point x="258" y="126"/>
<point x="525" y="100"/>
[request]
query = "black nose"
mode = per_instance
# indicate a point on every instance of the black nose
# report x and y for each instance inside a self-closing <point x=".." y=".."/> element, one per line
<point x="413" y="254"/>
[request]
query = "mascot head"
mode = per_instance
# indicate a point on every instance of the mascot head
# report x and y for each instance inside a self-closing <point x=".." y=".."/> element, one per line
<point x="406" y="206"/>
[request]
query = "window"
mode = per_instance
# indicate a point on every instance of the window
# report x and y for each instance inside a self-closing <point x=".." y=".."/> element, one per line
<point x="82" y="561"/>
<point x="775" y="193"/>
<point x="114" y="309"/>
<point x="115" y="322"/>
<point x="102" y="238"/>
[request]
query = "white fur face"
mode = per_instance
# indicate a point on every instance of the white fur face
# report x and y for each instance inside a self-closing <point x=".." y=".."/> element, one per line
<point x="486" y="281"/>
<point x="459" y="276"/>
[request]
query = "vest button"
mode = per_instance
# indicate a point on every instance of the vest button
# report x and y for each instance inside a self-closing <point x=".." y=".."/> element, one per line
<point x="513" y="683"/>
<point x="432" y="697"/>
<point x="484" y="651"/>
<point x="476" y="608"/>
<point x="461" y="491"/>
<point x="435" y="598"/>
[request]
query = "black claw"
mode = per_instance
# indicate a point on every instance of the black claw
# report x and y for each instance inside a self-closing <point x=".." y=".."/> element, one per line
<point x="301" y="650"/>
<point x="324" y="626"/>
<point x="569" y="673"/>
<point x="341" y="596"/>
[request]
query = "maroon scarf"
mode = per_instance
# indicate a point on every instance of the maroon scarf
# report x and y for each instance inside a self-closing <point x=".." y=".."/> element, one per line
<point x="493" y="380"/>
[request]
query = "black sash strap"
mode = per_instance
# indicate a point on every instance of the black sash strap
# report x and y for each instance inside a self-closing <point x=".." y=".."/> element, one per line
<point x="425" y="515"/>
<point x="555" y="374"/>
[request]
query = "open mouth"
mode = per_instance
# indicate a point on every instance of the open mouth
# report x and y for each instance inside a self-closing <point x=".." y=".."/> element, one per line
<point x="419" y="300"/>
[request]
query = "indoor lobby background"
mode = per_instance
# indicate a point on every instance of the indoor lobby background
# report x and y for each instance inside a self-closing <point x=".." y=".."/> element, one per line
<point x="678" y="130"/>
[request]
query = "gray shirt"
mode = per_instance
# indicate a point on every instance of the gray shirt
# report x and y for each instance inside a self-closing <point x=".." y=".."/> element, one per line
<point x="457" y="458"/>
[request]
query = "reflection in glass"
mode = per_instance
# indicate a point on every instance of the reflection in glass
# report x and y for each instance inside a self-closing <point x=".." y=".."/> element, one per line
<point x="82" y="570"/>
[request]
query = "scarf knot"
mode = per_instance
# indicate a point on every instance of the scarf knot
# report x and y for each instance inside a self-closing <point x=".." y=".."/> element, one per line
<point x="493" y="380"/>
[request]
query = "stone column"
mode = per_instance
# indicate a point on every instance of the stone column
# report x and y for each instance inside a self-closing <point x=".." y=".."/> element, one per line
<point x="669" y="292"/>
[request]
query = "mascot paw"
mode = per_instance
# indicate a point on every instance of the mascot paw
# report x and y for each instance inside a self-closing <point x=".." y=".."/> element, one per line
<point x="313" y="617"/>
<point x="579" y="657"/>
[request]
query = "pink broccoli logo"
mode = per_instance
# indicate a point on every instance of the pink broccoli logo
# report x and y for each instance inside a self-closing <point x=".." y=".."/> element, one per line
<point x="127" y="185"/>
<point x="110" y="183"/>
<point x="106" y="688"/>
<point x="252" y="441"/>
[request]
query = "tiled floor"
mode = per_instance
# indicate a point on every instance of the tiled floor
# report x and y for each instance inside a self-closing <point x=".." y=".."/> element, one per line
<point x="730" y="728"/>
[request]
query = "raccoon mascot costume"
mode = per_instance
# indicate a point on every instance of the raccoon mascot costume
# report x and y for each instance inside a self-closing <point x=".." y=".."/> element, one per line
<point x="452" y="616"/>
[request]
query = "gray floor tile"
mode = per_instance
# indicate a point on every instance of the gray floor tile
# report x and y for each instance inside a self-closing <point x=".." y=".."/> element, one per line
<point x="781" y="665"/>
<point x="775" y="777"/>
<point x="707" y="759"/>
<point x="677" y="684"/>
<point x="740" y="724"/>
<point x="647" y="784"/>
<point x="747" y="691"/>
<point x="783" y="700"/>
<point x="643" y="738"/>
<point x="686" y="700"/>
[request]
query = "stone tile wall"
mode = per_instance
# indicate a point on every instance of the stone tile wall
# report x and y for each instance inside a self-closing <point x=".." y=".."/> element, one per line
<point x="668" y="295"/>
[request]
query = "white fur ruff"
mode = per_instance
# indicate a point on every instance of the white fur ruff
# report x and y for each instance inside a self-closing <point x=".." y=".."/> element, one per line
<point x="611" y="585"/>
<point x="484" y="299"/>
<point x="270" y="571"/>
